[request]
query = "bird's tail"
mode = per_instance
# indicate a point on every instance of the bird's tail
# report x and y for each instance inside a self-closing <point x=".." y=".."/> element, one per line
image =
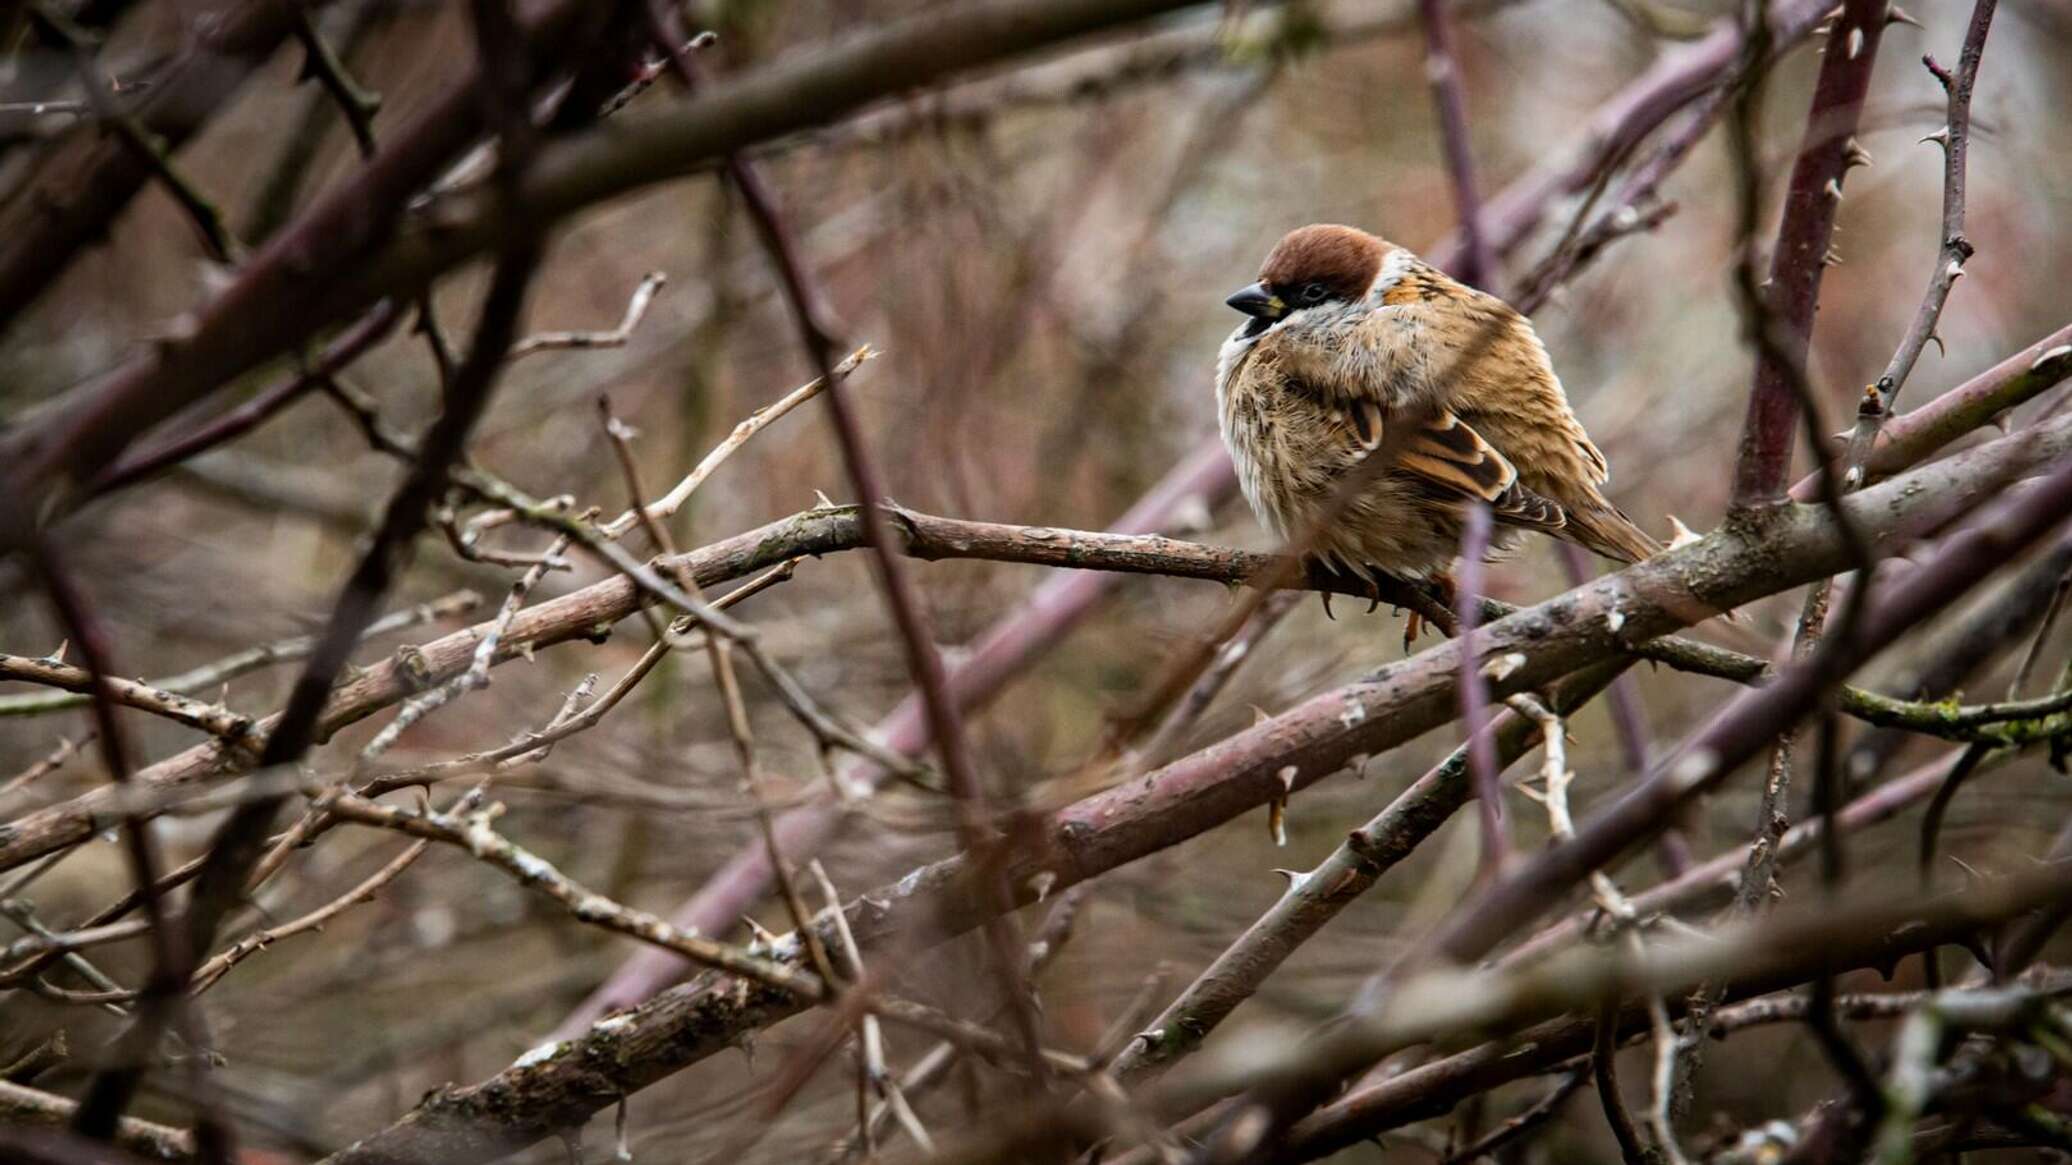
<point x="1602" y="528"/>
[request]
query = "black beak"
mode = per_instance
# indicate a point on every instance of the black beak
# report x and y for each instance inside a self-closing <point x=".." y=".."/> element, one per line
<point x="1257" y="302"/>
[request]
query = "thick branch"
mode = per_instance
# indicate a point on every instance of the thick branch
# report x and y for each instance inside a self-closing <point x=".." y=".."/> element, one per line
<point x="1810" y="207"/>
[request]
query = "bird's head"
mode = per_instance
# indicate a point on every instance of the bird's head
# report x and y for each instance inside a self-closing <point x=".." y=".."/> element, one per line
<point x="1310" y="267"/>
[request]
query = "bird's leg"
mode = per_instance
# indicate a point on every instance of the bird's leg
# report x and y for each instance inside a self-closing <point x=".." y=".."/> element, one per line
<point x="1449" y="595"/>
<point x="1415" y="624"/>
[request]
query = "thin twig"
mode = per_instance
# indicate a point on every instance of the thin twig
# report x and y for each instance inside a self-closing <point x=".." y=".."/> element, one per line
<point x="717" y="653"/>
<point x="214" y="719"/>
<point x="1544" y="1109"/>
<point x="1555" y="778"/>
<point x="880" y="1081"/>
<point x="357" y="105"/>
<point x="220" y="964"/>
<point x="636" y="310"/>
<point x="1474" y="695"/>
<point x="475" y="833"/>
<point x="1951" y="254"/>
<point x="251" y="659"/>
<point x="1477" y="266"/>
<point x="149" y="147"/>
<point x="1604" y="1068"/>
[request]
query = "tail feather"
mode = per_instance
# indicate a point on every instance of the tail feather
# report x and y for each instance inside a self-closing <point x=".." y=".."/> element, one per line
<point x="1606" y="531"/>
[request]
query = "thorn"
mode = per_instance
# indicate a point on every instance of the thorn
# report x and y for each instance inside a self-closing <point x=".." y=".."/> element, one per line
<point x="1955" y="270"/>
<point x="1833" y="189"/>
<point x="57" y="654"/>
<point x="1940" y="349"/>
<point x="1287" y="777"/>
<point x="1894" y="14"/>
<point x="1833" y="258"/>
<point x="1259" y="716"/>
<point x="1940" y="137"/>
<point x="822" y="502"/>
<point x="1295" y="877"/>
<point x="1854" y="155"/>
<point x="1680" y="535"/>
<point x="761" y="934"/>
<point x="1855" y="43"/>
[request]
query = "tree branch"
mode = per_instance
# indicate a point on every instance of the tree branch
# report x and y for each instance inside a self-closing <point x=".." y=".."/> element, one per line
<point x="1189" y="796"/>
<point x="1800" y="258"/>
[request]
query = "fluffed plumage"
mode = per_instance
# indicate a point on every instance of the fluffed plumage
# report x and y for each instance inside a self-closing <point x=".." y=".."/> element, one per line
<point x="1357" y="348"/>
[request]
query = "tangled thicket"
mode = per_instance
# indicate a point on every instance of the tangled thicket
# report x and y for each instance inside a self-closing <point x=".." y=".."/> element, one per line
<point x="457" y="710"/>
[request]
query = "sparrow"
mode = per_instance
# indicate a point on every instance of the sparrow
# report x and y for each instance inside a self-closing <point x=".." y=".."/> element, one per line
<point x="1353" y="347"/>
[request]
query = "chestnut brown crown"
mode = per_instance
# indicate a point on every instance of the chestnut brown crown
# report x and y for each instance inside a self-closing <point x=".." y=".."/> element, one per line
<point x="1342" y="261"/>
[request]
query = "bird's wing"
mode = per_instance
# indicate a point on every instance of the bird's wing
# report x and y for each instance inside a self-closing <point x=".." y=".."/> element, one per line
<point x="1474" y="350"/>
<point x="1447" y="452"/>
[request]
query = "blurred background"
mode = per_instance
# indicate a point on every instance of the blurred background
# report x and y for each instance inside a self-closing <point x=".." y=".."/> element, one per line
<point x="1041" y="257"/>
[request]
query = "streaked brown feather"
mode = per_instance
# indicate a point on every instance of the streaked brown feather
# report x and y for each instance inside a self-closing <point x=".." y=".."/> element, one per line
<point x="1455" y="455"/>
<point x="1520" y="506"/>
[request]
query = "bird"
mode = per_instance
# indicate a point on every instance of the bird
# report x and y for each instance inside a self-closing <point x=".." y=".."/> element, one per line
<point x="1355" y="348"/>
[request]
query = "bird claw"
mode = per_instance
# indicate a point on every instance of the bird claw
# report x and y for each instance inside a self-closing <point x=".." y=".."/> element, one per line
<point x="1326" y="597"/>
<point x="1414" y="625"/>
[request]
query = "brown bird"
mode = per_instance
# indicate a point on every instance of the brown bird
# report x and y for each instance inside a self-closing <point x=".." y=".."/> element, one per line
<point x="1357" y="348"/>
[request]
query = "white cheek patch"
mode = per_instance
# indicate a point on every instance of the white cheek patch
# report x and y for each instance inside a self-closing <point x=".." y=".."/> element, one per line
<point x="1393" y="268"/>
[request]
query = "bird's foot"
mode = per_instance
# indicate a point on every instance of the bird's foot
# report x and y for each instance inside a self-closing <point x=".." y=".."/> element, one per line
<point x="1413" y="626"/>
<point x="1314" y="565"/>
